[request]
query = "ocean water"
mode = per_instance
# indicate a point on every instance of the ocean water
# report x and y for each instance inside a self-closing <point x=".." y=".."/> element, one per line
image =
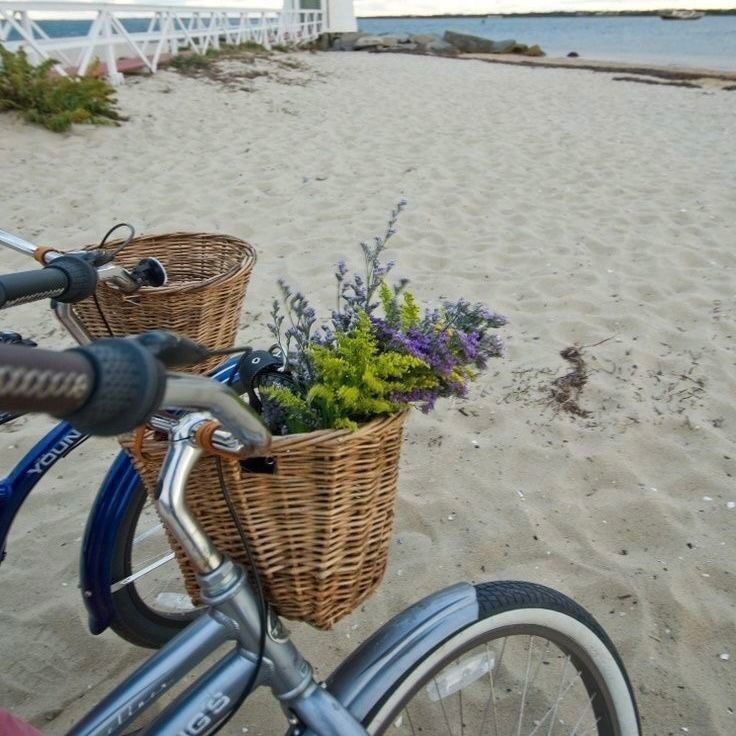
<point x="708" y="43"/>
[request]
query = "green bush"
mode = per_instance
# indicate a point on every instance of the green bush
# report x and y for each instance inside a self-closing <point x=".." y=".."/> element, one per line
<point x="192" y="63"/>
<point x="53" y="101"/>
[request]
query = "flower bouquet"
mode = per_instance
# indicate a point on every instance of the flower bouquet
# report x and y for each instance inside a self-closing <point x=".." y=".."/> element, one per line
<point x="377" y="355"/>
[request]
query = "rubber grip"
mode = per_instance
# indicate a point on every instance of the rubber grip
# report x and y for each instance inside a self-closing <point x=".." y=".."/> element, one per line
<point x="81" y="278"/>
<point x="36" y="380"/>
<point x="129" y="388"/>
<point x="30" y="286"/>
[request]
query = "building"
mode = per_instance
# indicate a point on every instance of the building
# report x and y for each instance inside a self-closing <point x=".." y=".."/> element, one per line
<point x="339" y="14"/>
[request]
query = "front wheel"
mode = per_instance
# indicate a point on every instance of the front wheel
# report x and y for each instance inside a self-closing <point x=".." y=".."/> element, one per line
<point x="534" y="663"/>
<point x="150" y="602"/>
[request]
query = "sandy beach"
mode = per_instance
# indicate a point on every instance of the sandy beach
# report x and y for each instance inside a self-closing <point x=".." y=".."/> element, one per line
<point x="591" y="212"/>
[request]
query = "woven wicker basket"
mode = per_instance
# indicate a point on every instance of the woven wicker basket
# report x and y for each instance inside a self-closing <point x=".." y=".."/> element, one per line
<point x="319" y="526"/>
<point x="207" y="279"/>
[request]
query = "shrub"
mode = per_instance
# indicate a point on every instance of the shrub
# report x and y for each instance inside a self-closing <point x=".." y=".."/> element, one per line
<point x="192" y="64"/>
<point x="52" y="101"/>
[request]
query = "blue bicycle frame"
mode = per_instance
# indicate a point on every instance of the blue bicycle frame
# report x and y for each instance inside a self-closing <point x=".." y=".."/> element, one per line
<point x="108" y="510"/>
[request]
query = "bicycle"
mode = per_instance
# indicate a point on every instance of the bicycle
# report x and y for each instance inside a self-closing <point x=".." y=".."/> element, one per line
<point x="128" y="576"/>
<point x="516" y="657"/>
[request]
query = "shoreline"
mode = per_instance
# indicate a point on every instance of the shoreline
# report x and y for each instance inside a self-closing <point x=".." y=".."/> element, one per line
<point x="550" y="14"/>
<point x="673" y="73"/>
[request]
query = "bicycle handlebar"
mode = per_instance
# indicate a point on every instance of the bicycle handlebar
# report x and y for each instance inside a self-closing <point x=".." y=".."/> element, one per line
<point x="17" y="243"/>
<point x="113" y="386"/>
<point x="35" y="380"/>
<point x="71" y="277"/>
<point x="67" y="279"/>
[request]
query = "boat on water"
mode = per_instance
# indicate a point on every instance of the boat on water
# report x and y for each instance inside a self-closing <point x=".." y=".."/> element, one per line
<point x="681" y="15"/>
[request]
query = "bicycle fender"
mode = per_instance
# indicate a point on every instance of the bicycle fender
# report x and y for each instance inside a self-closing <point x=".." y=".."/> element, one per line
<point x="107" y="513"/>
<point x="109" y="509"/>
<point x="360" y="680"/>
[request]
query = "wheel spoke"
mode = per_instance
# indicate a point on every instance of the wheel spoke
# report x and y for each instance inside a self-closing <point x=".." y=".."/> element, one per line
<point x="442" y="705"/>
<point x="526" y="685"/>
<point x="491" y="702"/>
<point x="462" y="720"/>
<point x="582" y="716"/>
<point x="148" y="533"/>
<point x="137" y="575"/>
<point x="411" y="725"/>
<point x="559" y="695"/>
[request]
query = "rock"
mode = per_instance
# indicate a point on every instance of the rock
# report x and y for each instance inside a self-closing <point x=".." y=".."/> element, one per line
<point x="504" y="47"/>
<point x="395" y="38"/>
<point x="573" y="55"/>
<point x="346" y="41"/>
<point x="422" y="39"/>
<point x="519" y="48"/>
<point x="367" y="42"/>
<point x="439" y="47"/>
<point x="535" y="50"/>
<point x="402" y="48"/>
<point x="476" y="45"/>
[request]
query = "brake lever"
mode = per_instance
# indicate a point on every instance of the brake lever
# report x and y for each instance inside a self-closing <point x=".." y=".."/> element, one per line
<point x="174" y="351"/>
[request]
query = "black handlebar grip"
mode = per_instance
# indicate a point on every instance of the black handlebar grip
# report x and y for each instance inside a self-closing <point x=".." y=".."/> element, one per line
<point x="129" y="388"/>
<point x="66" y="279"/>
<point x="81" y="276"/>
<point x="103" y="389"/>
<point x="35" y="380"/>
<point x="30" y="286"/>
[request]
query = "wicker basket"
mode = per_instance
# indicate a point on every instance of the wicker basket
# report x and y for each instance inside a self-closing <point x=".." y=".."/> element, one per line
<point x="319" y="524"/>
<point x="207" y="279"/>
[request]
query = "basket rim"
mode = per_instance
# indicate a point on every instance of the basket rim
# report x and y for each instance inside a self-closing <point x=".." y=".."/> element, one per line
<point x="248" y="261"/>
<point x="323" y="436"/>
<point x="337" y="436"/>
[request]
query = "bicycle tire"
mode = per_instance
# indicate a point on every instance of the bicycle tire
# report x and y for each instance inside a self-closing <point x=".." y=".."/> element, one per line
<point x="520" y="609"/>
<point x="133" y="619"/>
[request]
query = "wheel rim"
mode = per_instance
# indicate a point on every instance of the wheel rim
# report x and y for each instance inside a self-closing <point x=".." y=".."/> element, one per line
<point x="500" y="679"/>
<point x="151" y="573"/>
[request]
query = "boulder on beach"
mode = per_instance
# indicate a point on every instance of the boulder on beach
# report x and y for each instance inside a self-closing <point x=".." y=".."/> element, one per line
<point x="424" y="38"/>
<point x="535" y="50"/>
<point x="366" y="42"/>
<point x="468" y="44"/>
<point x="395" y="38"/>
<point x="439" y="47"/>
<point x="402" y="48"/>
<point x="573" y="55"/>
<point x="346" y="41"/>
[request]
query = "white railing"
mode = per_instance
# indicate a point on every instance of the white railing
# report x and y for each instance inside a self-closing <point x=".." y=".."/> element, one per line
<point x="170" y="29"/>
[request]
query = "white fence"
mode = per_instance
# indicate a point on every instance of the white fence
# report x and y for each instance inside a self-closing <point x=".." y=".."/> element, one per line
<point x="170" y="29"/>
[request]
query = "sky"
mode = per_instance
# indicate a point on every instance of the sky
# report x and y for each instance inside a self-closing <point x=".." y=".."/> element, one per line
<point x="428" y="7"/>
<point x="364" y="8"/>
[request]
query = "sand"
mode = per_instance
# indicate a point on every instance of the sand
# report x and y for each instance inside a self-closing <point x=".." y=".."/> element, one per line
<point x="585" y="210"/>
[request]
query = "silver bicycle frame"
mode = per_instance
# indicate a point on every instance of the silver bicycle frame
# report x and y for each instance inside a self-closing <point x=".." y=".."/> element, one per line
<point x="233" y="609"/>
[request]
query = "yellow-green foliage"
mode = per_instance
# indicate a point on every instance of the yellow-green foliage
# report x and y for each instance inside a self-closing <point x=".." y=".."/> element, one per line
<point x="401" y="312"/>
<point x="409" y="313"/>
<point x="354" y="383"/>
<point x="53" y="101"/>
